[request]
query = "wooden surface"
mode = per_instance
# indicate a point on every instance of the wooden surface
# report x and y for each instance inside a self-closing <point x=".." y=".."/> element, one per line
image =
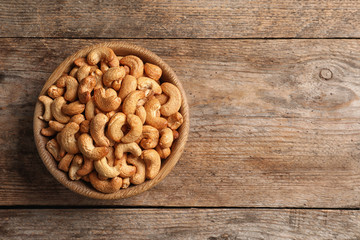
<point x="274" y="123"/>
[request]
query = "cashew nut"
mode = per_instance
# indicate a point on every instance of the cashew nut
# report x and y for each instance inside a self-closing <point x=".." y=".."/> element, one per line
<point x="65" y="162"/>
<point x="80" y="62"/>
<point x="71" y="85"/>
<point x="114" y="127"/>
<point x="125" y="170"/>
<point x="67" y="138"/>
<point x="152" y="161"/>
<point x="116" y="85"/>
<point x="162" y="98"/>
<point x="114" y="73"/>
<point x="166" y="138"/>
<point x="74" y="167"/>
<point x="98" y="74"/>
<point x="86" y="167"/>
<point x="55" y="107"/>
<point x="136" y="128"/>
<point x="176" y="134"/>
<point x="128" y="85"/>
<point x="152" y="107"/>
<point x="90" y="109"/>
<point x="150" y="137"/>
<point x="175" y="120"/>
<point x="55" y="92"/>
<point x="47" y="132"/>
<point x="105" y="186"/>
<point x="174" y="103"/>
<point x="85" y="126"/>
<point x="56" y="125"/>
<point x="107" y="100"/>
<point x="144" y="83"/>
<point x="103" y="168"/>
<point x="53" y="147"/>
<point x="46" y="101"/>
<point x="103" y="66"/>
<point x="73" y="72"/>
<point x="135" y="63"/>
<point x="139" y="176"/>
<point x="153" y="71"/>
<point x="78" y="118"/>
<point x="125" y="183"/>
<point x="130" y="102"/>
<point x="122" y="148"/>
<point x="103" y="53"/>
<point x="141" y="113"/>
<point x="85" y="71"/>
<point x="163" y="152"/>
<point x="73" y="108"/>
<point x="97" y="130"/>
<point x="85" y="88"/>
<point x="87" y="148"/>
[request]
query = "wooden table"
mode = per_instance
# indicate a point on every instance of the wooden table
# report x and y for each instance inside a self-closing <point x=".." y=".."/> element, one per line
<point x="274" y="144"/>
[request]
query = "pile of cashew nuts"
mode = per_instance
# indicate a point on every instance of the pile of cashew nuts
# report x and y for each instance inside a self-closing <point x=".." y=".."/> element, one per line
<point x="111" y="121"/>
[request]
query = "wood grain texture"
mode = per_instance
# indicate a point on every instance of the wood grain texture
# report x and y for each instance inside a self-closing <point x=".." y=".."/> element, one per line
<point x="265" y="130"/>
<point x="180" y="19"/>
<point x="211" y="224"/>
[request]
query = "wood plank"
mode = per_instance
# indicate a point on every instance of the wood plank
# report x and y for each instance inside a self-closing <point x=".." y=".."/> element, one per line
<point x="211" y="224"/>
<point x="266" y="129"/>
<point x="180" y="19"/>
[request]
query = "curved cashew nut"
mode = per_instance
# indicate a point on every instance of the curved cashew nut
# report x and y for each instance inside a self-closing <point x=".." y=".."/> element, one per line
<point x="56" y="126"/>
<point x="175" y="120"/>
<point x="102" y="53"/>
<point x="67" y="138"/>
<point x="116" y="84"/>
<point x="162" y="98"/>
<point x="106" y="100"/>
<point x="139" y="176"/>
<point x="103" y="66"/>
<point x="128" y="85"/>
<point x="114" y="127"/>
<point x="152" y="161"/>
<point x="141" y="113"/>
<point x="64" y="163"/>
<point x="81" y="61"/>
<point x="87" y="148"/>
<point x="78" y="118"/>
<point x="55" y="107"/>
<point x="166" y="138"/>
<point x="98" y="74"/>
<point x="85" y="71"/>
<point x="73" y="72"/>
<point x="104" y="170"/>
<point x="125" y="170"/>
<point x="105" y="186"/>
<point x="152" y="107"/>
<point x="130" y="102"/>
<point x="74" y="167"/>
<point x="90" y="109"/>
<point x="163" y="152"/>
<point x="85" y="88"/>
<point x="46" y="101"/>
<point x="150" y="137"/>
<point x="47" y="132"/>
<point x="144" y="83"/>
<point x="125" y="183"/>
<point x="122" y="148"/>
<point x="136" y="129"/>
<point x="73" y="108"/>
<point x="55" y="92"/>
<point x="113" y="74"/>
<point x="86" y="168"/>
<point x="153" y="71"/>
<point x="71" y="85"/>
<point x="54" y="149"/>
<point x="97" y="130"/>
<point x="85" y="126"/>
<point x="135" y="64"/>
<point x="174" y="103"/>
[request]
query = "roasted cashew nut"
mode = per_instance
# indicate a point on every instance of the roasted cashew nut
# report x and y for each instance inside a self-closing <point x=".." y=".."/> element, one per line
<point x="166" y="138"/>
<point x="64" y="163"/>
<point x="74" y="167"/>
<point x="81" y="61"/>
<point x="144" y="83"/>
<point x="163" y="152"/>
<point x="73" y="108"/>
<point x="152" y="107"/>
<point x="78" y="118"/>
<point x="132" y="148"/>
<point x="113" y="74"/>
<point x="71" y="85"/>
<point x="85" y="126"/>
<point x="73" y="72"/>
<point x="105" y="170"/>
<point x="47" y="132"/>
<point x="54" y="149"/>
<point x="150" y="137"/>
<point x="131" y="101"/>
<point x="56" y="126"/>
<point x="141" y="113"/>
<point x="105" y="186"/>
<point x="153" y="71"/>
<point x="87" y="148"/>
<point x="85" y="71"/>
<point x="174" y="103"/>
<point x="46" y="101"/>
<point x="128" y="85"/>
<point x="86" y="168"/>
<point x="135" y="64"/>
<point x="125" y="170"/>
<point x="163" y="98"/>
<point x="106" y="100"/>
<point x="55" y="107"/>
<point x="67" y="138"/>
<point x="90" y="109"/>
<point x="152" y="161"/>
<point x="85" y="88"/>
<point x="114" y="127"/>
<point x="98" y="74"/>
<point x="125" y="183"/>
<point x="55" y="92"/>
<point x="139" y="176"/>
<point x="97" y="130"/>
<point x="136" y="129"/>
<point x="103" y="53"/>
<point x="175" y="120"/>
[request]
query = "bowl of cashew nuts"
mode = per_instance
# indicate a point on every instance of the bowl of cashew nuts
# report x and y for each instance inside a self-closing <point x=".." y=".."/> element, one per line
<point x="111" y="121"/>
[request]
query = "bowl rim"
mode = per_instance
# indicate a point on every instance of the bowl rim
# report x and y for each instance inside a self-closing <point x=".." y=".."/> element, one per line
<point x="177" y="149"/>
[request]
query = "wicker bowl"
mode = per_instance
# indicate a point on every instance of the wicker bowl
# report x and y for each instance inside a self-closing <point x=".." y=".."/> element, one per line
<point x="81" y="187"/>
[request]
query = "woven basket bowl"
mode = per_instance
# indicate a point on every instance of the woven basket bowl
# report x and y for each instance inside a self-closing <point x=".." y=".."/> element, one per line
<point x="80" y="187"/>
